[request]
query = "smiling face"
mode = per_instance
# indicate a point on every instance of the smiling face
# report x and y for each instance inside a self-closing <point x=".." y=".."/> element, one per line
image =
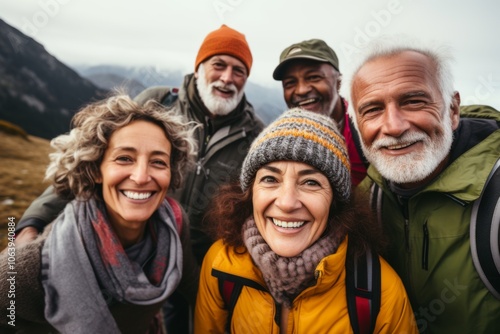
<point x="291" y="204"/>
<point x="406" y="130"/>
<point x="220" y="82"/>
<point x="311" y="85"/>
<point x="135" y="175"/>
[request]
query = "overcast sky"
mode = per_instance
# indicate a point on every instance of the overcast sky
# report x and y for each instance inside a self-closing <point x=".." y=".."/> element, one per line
<point x="168" y="33"/>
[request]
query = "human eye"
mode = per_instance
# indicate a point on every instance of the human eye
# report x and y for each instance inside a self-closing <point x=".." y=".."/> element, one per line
<point x="312" y="183"/>
<point x="414" y="103"/>
<point x="159" y="163"/>
<point x="239" y="71"/>
<point x="314" y="77"/>
<point x="268" y="179"/>
<point x="370" y="112"/>
<point x="288" y="84"/>
<point x="415" y="100"/>
<point x="123" y="159"/>
<point x="218" y="65"/>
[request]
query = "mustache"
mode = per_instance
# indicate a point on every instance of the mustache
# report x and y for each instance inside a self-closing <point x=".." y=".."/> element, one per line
<point x="220" y="85"/>
<point x="406" y="139"/>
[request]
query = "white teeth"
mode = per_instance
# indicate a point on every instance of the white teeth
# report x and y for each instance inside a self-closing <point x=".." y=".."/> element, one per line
<point x="134" y="195"/>
<point x="397" y="147"/>
<point x="225" y="90"/>
<point x="281" y="223"/>
<point x="301" y="103"/>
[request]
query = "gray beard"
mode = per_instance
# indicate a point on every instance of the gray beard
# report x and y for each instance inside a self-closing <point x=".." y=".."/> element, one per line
<point x="215" y="104"/>
<point x="416" y="166"/>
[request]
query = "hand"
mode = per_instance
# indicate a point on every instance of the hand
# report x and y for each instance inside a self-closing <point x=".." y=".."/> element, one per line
<point x="26" y="235"/>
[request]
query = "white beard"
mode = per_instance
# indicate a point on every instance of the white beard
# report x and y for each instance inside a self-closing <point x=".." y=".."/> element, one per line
<point x="215" y="104"/>
<point x="417" y="165"/>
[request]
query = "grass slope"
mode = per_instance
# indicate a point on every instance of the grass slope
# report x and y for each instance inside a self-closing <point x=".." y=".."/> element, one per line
<point x="22" y="167"/>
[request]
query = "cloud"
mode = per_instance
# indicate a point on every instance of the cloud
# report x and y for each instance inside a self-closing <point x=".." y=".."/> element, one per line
<point x="168" y="33"/>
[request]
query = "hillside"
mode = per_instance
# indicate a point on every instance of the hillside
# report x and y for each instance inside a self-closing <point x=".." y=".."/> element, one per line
<point x="38" y="92"/>
<point x="21" y="175"/>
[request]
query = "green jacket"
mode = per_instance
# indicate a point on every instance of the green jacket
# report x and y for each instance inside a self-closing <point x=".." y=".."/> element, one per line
<point x="431" y="249"/>
<point x="223" y="143"/>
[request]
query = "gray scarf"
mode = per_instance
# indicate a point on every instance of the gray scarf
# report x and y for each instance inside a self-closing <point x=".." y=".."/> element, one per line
<point x="286" y="277"/>
<point x="84" y="268"/>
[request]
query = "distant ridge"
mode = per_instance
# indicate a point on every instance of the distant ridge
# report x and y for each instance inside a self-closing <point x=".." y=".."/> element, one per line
<point x="268" y="103"/>
<point x="38" y="92"/>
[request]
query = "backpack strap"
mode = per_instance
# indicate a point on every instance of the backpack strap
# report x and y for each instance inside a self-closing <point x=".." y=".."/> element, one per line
<point x="362" y="290"/>
<point x="177" y="213"/>
<point x="230" y="287"/>
<point x="376" y="198"/>
<point x="485" y="232"/>
<point x="165" y="95"/>
<point x="357" y="142"/>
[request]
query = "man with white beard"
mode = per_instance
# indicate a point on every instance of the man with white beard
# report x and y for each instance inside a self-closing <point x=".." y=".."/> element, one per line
<point x="213" y="99"/>
<point x="428" y="166"/>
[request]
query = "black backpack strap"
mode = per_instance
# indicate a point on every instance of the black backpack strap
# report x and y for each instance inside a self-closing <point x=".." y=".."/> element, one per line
<point x="230" y="287"/>
<point x="376" y="197"/>
<point x="485" y="232"/>
<point x="362" y="290"/>
<point x="357" y="143"/>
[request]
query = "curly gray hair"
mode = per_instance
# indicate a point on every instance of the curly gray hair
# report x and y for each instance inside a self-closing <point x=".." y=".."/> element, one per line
<point x="75" y="166"/>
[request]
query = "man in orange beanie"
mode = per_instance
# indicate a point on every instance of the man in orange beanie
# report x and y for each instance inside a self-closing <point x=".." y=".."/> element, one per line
<point x="213" y="98"/>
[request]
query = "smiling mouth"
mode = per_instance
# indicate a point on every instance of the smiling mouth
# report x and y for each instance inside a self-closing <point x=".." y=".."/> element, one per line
<point x="285" y="224"/>
<point x="306" y="102"/>
<point x="399" y="146"/>
<point x="136" y="195"/>
<point x="224" y="90"/>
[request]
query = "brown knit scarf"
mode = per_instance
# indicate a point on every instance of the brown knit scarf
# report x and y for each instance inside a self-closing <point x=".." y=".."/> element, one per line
<point x="287" y="277"/>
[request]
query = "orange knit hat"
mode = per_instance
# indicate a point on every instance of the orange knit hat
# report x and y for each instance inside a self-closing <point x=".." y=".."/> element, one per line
<point x="225" y="41"/>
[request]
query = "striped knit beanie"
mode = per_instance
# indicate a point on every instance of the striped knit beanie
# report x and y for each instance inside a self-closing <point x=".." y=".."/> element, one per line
<point x="302" y="136"/>
<point x="225" y="41"/>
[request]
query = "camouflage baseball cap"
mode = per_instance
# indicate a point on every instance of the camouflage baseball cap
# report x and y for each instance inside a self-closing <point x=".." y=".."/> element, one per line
<point x="315" y="49"/>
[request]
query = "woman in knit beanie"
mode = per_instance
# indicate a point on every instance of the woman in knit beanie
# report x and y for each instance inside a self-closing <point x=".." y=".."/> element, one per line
<point x="279" y="265"/>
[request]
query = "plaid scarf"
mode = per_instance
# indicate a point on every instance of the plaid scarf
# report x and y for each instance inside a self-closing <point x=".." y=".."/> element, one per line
<point x="84" y="268"/>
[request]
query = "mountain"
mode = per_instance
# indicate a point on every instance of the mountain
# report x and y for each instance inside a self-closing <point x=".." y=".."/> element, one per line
<point x="268" y="102"/>
<point x="110" y="81"/>
<point x="37" y="91"/>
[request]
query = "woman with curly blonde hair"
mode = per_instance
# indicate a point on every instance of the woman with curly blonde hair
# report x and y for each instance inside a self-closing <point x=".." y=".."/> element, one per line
<point x="118" y="249"/>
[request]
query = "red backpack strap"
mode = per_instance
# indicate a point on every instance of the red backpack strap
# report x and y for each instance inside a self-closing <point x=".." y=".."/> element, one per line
<point x="230" y="287"/>
<point x="363" y="290"/>
<point x="177" y="213"/>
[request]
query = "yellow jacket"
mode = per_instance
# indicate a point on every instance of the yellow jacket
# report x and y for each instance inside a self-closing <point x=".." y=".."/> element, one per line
<point x="321" y="308"/>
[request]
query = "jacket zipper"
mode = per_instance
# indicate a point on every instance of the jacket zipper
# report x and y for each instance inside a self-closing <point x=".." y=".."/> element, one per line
<point x="425" y="248"/>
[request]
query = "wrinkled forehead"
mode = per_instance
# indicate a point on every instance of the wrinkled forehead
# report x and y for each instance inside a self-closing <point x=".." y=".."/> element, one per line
<point x="408" y="68"/>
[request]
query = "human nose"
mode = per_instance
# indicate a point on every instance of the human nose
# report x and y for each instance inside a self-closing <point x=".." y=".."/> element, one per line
<point x="395" y="122"/>
<point x="140" y="173"/>
<point x="227" y="75"/>
<point x="302" y="88"/>
<point x="288" y="198"/>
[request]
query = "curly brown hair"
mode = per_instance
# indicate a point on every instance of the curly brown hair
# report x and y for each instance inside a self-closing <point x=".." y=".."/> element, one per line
<point x="74" y="166"/>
